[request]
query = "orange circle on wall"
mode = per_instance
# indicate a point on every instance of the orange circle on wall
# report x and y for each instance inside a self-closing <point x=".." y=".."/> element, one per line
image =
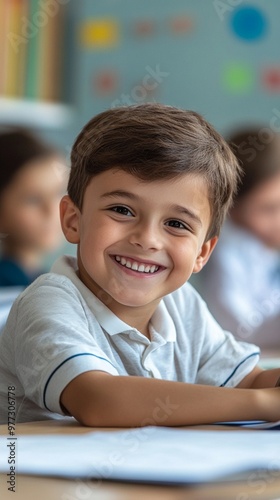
<point x="180" y="25"/>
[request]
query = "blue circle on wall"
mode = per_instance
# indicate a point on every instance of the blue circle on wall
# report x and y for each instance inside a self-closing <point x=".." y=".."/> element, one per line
<point x="249" y="23"/>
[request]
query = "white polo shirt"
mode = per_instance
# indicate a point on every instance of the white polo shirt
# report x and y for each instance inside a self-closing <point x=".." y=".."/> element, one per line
<point x="57" y="329"/>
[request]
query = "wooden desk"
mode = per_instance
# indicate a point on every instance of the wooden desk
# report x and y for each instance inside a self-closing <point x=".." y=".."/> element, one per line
<point x="47" y="488"/>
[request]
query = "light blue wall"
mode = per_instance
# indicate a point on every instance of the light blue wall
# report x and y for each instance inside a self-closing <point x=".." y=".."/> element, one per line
<point x="195" y="63"/>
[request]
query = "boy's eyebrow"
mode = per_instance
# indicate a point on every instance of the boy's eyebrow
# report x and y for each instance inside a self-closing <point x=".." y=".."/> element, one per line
<point x="177" y="208"/>
<point x="188" y="212"/>
<point x="120" y="192"/>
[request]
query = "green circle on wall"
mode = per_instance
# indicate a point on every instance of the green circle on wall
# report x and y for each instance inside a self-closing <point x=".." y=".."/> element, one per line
<point x="238" y="78"/>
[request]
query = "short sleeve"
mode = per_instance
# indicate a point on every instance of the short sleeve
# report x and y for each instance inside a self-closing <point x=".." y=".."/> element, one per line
<point x="204" y="352"/>
<point x="54" y="343"/>
<point x="224" y="361"/>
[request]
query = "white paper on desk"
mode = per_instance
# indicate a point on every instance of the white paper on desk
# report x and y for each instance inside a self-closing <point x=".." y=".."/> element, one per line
<point x="149" y="454"/>
<point x="254" y="424"/>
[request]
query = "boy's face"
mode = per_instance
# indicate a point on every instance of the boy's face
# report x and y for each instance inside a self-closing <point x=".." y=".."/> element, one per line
<point x="138" y="241"/>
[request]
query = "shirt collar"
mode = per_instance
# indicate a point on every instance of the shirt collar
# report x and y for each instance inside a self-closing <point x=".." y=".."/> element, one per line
<point x="161" y="319"/>
<point x="163" y="323"/>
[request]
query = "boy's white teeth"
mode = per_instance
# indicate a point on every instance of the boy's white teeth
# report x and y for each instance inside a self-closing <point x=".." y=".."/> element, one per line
<point x="141" y="268"/>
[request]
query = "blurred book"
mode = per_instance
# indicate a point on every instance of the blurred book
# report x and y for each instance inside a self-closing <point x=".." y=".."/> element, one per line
<point x="50" y="58"/>
<point x="33" y="54"/>
<point x="4" y="8"/>
<point x="31" y="39"/>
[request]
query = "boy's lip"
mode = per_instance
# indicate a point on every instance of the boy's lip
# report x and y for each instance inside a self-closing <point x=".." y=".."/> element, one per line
<point x="139" y="260"/>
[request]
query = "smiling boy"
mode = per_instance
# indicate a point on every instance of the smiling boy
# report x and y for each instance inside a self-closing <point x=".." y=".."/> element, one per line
<point x="145" y="240"/>
<point x="117" y="337"/>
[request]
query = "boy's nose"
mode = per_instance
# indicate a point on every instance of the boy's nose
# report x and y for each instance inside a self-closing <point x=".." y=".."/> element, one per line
<point x="147" y="237"/>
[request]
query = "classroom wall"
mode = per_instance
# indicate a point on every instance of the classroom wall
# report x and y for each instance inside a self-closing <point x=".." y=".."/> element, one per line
<point x="218" y="57"/>
<point x="207" y="55"/>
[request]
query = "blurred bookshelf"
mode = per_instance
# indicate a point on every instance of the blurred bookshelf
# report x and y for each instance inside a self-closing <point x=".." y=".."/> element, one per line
<point x="32" y="78"/>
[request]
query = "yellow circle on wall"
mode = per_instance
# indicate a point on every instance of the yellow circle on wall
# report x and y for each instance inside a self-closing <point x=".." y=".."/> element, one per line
<point x="100" y="33"/>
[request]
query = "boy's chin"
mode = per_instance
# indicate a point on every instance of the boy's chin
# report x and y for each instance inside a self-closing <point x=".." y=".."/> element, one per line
<point x="133" y="301"/>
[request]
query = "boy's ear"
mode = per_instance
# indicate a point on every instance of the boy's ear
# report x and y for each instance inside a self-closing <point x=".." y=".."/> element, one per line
<point x="70" y="219"/>
<point x="204" y="254"/>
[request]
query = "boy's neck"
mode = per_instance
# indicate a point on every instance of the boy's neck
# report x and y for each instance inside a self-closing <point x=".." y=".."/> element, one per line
<point x="136" y="317"/>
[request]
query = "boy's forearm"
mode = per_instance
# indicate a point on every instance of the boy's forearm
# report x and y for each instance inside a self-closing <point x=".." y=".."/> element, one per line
<point x="121" y="401"/>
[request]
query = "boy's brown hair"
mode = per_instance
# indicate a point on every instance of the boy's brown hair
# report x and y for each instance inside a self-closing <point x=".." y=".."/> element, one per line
<point x="155" y="142"/>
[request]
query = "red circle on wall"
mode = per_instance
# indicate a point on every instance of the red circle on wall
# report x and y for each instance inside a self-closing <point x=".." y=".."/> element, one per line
<point x="271" y="79"/>
<point x="105" y="82"/>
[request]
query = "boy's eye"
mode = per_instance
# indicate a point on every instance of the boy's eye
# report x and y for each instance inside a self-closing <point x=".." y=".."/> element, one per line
<point x="119" y="209"/>
<point x="176" y="224"/>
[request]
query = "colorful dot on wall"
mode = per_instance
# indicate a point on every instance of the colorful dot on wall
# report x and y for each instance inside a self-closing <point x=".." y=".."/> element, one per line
<point x="238" y="78"/>
<point x="100" y="33"/>
<point x="144" y="28"/>
<point x="271" y="79"/>
<point x="181" y="25"/>
<point x="105" y="82"/>
<point x="249" y="23"/>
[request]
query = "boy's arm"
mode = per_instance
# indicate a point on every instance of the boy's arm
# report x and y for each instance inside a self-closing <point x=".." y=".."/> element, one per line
<point x="99" y="399"/>
<point x="259" y="379"/>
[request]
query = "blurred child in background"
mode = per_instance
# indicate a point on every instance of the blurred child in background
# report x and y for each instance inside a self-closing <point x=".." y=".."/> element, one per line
<point x="32" y="182"/>
<point x="241" y="283"/>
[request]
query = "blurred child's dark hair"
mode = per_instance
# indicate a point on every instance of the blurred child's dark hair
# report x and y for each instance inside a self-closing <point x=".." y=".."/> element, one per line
<point x="18" y="147"/>
<point x="155" y="142"/>
<point x="258" y="154"/>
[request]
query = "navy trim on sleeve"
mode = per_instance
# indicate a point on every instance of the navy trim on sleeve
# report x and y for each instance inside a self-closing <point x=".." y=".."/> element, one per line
<point x="236" y="368"/>
<point x="71" y="357"/>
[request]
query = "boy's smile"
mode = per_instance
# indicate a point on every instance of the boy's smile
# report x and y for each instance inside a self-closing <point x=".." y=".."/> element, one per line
<point x="138" y="240"/>
<point x="134" y="267"/>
